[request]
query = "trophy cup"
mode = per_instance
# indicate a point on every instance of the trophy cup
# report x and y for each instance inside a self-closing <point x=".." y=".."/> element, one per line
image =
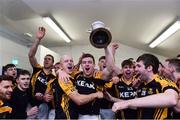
<point x="100" y="37"/>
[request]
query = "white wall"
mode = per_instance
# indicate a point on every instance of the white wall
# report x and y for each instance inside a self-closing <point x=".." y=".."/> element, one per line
<point x="10" y="49"/>
<point x="123" y="52"/>
<point x="42" y="51"/>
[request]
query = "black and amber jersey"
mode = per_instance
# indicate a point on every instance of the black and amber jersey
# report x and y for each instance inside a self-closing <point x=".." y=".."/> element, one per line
<point x="39" y="80"/>
<point x="125" y="91"/>
<point x="86" y="85"/>
<point x="106" y="104"/>
<point x="176" y="115"/>
<point x="156" y="85"/>
<point x="65" y="108"/>
<point x="5" y="110"/>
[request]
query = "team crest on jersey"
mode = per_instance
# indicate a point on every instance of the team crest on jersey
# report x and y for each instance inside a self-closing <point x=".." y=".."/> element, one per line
<point x="150" y="91"/>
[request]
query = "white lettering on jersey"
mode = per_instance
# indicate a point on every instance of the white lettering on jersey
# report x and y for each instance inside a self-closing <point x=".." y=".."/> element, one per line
<point x="42" y="80"/>
<point x="84" y="84"/>
<point x="127" y="94"/>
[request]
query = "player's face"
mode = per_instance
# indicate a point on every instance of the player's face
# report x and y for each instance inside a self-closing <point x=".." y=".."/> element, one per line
<point x="6" y="89"/>
<point x="141" y="70"/>
<point x="128" y="71"/>
<point x="12" y="71"/>
<point x="102" y="64"/>
<point x="88" y="66"/>
<point x="67" y="64"/>
<point x="48" y="62"/>
<point x="167" y="71"/>
<point x="23" y="82"/>
<point x="57" y="67"/>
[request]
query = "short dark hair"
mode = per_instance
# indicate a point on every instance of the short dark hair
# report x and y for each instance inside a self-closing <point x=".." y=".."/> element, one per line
<point x="57" y="63"/>
<point x="149" y="59"/>
<point x="178" y="55"/>
<point x="174" y="62"/>
<point x="6" y="78"/>
<point x="88" y="55"/>
<point x="127" y="62"/>
<point x="51" y="57"/>
<point x="131" y="59"/>
<point x="8" y="66"/>
<point x="23" y="72"/>
<point x="102" y="57"/>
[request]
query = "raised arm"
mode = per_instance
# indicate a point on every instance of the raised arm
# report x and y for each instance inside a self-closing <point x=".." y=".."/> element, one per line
<point x="77" y="66"/>
<point x="32" y="52"/>
<point x="110" y="62"/>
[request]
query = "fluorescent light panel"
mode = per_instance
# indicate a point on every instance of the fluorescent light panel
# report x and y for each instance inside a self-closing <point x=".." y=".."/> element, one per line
<point x="52" y="24"/>
<point x="171" y="30"/>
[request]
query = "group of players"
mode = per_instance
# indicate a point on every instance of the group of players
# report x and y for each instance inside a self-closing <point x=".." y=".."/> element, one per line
<point x="145" y="89"/>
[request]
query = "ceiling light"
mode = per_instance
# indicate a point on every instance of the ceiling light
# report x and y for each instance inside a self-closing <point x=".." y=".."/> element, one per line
<point x="167" y="33"/>
<point x="28" y="35"/>
<point x="56" y="28"/>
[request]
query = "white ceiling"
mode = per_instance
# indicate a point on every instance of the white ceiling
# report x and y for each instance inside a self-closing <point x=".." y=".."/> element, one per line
<point x="132" y="22"/>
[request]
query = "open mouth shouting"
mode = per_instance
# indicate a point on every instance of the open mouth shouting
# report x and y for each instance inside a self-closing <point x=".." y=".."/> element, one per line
<point x="70" y="67"/>
<point x="128" y="72"/>
<point x="87" y="69"/>
<point x="104" y="66"/>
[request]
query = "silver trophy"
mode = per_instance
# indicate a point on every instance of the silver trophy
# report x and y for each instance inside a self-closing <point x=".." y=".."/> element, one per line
<point x="100" y="36"/>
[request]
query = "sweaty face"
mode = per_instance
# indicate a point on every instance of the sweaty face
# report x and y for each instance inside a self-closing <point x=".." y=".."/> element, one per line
<point x="23" y="82"/>
<point x="102" y="64"/>
<point x="128" y="71"/>
<point x="67" y="64"/>
<point x="6" y="89"/>
<point x="48" y="62"/>
<point x="12" y="71"/>
<point x="88" y="66"/>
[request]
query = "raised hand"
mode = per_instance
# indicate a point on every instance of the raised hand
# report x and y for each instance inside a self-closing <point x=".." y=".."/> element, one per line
<point x="76" y="67"/>
<point x="114" y="46"/>
<point x="40" y="33"/>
